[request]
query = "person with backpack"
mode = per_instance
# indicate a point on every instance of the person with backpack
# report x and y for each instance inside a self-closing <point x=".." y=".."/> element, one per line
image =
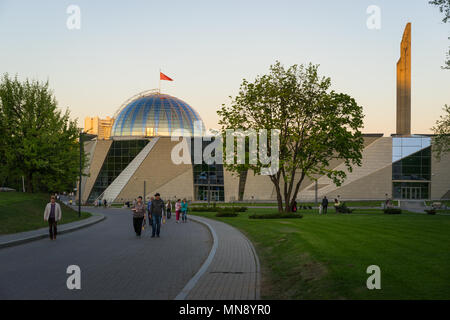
<point x="52" y="214"/>
<point x="184" y="209"/>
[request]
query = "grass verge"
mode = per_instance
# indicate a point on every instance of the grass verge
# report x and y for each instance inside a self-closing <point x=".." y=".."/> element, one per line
<point x="326" y="256"/>
<point x="21" y="212"/>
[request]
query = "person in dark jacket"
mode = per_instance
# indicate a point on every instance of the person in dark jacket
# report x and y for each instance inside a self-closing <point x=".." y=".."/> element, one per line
<point x="157" y="209"/>
<point x="325" y="204"/>
<point x="149" y="204"/>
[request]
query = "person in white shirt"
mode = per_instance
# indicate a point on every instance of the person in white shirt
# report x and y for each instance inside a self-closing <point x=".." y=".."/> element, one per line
<point x="52" y="214"/>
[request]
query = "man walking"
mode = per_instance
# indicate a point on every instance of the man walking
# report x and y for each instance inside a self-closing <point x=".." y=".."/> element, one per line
<point x="138" y="216"/>
<point x="149" y="204"/>
<point x="157" y="209"/>
<point x="325" y="205"/>
<point x="52" y="214"/>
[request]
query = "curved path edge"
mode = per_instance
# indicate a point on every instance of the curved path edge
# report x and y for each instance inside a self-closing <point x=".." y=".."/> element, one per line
<point x="191" y="284"/>
<point x="232" y="269"/>
<point x="15" y="239"/>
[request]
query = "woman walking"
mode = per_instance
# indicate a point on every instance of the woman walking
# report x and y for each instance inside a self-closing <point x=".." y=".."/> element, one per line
<point x="178" y="210"/>
<point x="184" y="209"/>
<point x="138" y="216"/>
<point x="169" y="209"/>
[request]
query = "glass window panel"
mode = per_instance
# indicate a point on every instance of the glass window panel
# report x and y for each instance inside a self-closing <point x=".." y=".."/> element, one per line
<point x="412" y="142"/>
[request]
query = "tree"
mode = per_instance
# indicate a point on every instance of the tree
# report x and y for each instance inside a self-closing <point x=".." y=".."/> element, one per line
<point x="441" y="143"/>
<point x="444" y="7"/>
<point x="316" y="126"/>
<point x="38" y="141"/>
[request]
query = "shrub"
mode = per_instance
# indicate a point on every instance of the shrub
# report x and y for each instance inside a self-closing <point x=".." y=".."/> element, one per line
<point x="202" y="209"/>
<point x="343" y="209"/>
<point x="431" y="212"/>
<point x="240" y="209"/>
<point x="218" y="209"/>
<point x="392" y="211"/>
<point x="276" y="216"/>
<point x="226" y="214"/>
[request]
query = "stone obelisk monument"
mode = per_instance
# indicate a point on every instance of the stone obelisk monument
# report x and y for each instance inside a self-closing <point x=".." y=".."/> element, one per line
<point x="404" y="84"/>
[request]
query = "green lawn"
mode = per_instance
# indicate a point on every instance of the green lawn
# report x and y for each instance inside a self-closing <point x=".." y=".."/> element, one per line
<point x="24" y="212"/>
<point x="371" y="203"/>
<point x="326" y="256"/>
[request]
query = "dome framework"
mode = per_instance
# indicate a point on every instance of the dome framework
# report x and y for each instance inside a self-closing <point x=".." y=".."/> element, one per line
<point x="151" y="113"/>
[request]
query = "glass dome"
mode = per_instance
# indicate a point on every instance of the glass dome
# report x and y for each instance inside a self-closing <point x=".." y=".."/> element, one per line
<point x="153" y="114"/>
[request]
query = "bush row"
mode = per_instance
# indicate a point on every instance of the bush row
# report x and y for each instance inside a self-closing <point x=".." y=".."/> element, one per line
<point x="276" y="216"/>
<point x="392" y="211"/>
<point x="226" y="214"/>
<point x="218" y="209"/>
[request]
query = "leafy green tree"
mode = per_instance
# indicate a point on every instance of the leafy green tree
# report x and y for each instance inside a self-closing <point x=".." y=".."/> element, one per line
<point x="444" y="7"/>
<point x="316" y="126"/>
<point x="38" y="141"/>
<point x="441" y="144"/>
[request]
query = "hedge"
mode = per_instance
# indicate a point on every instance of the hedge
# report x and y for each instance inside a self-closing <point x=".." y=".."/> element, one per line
<point x="226" y="214"/>
<point x="218" y="209"/>
<point x="392" y="211"/>
<point x="231" y="209"/>
<point x="202" y="209"/>
<point x="276" y="216"/>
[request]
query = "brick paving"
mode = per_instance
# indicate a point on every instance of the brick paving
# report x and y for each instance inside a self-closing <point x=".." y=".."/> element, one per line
<point x="234" y="273"/>
<point x="10" y="240"/>
<point x="114" y="263"/>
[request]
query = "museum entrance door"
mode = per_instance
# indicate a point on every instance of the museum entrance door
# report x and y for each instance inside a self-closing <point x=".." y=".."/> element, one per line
<point x="413" y="193"/>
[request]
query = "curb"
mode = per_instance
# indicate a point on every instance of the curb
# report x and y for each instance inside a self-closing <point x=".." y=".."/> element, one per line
<point x="191" y="284"/>
<point x="258" y="267"/>
<point x="43" y="233"/>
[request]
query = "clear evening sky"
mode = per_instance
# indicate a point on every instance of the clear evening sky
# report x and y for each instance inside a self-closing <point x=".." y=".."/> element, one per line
<point x="208" y="47"/>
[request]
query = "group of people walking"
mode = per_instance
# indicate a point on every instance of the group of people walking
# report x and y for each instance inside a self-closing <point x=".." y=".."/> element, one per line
<point x="157" y="212"/>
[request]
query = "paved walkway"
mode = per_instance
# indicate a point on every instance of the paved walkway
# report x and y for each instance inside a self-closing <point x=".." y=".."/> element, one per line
<point x="201" y="260"/>
<point x="114" y="263"/>
<point x="15" y="239"/>
<point x="234" y="272"/>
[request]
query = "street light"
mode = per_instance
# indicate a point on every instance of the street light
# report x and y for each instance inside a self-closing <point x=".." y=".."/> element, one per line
<point x="79" y="183"/>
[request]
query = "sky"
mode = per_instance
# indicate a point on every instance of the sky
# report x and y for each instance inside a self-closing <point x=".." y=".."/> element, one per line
<point x="208" y="47"/>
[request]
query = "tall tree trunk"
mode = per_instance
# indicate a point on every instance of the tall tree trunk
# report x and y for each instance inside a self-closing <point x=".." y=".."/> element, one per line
<point x="297" y="188"/>
<point x="276" y="183"/>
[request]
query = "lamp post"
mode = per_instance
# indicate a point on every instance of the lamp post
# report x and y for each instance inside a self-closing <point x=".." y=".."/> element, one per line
<point x="209" y="190"/>
<point x="81" y="173"/>
<point x="316" y="192"/>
